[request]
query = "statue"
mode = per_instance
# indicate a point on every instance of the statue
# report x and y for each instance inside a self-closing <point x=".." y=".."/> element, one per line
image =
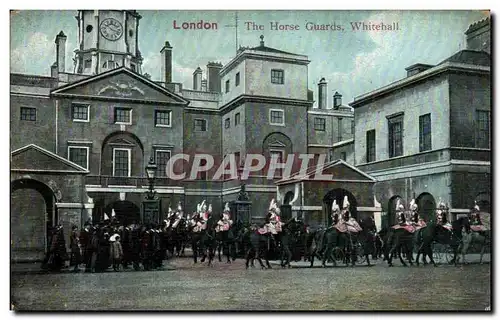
<point x="243" y="195"/>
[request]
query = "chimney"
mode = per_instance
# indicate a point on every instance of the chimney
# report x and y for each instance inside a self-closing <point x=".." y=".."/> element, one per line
<point x="337" y="100"/>
<point x="417" y="68"/>
<point x="204" y="85"/>
<point x="53" y="70"/>
<point x="322" y="94"/>
<point x="197" y="77"/>
<point x="213" y="77"/>
<point x="166" y="63"/>
<point x="478" y="36"/>
<point x="61" y="52"/>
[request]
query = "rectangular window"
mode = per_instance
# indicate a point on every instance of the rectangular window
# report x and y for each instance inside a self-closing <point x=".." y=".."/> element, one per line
<point x="352" y="127"/>
<point x="227" y="86"/>
<point x="227" y="123"/>
<point x="80" y="112"/>
<point x="277" y="76"/>
<point x="343" y="156"/>
<point x="237" y="80"/>
<point x="319" y="124"/>
<point x="200" y="125"/>
<point x="425" y="140"/>
<point x="237" y="119"/>
<point x="123" y="115"/>
<point x="395" y="136"/>
<point x="121" y="162"/>
<point x="162" y="157"/>
<point x="132" y="66"/>
<point x="340" y="129"/>
<point x="277" y="117"/>
<point x="370" y="146"/>
<point x="278" y="154"/>
<point x="482" y="127"/>
<point x="163" y="118"/>
<point x="28" y="114"/>
<point x="79" y="155"/>
<point x="88" y="64"/>
<point x="330" y="154"/>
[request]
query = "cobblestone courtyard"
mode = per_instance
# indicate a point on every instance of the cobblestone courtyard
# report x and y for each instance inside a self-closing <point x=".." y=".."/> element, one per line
<point x="232" y="287"/>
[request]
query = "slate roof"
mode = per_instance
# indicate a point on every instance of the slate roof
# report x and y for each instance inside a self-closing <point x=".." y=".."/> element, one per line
<point x="481" y="58"/>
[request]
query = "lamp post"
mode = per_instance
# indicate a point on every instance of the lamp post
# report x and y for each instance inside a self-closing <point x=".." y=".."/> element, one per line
<point x="151" y="204"/>
<point x="151" y="172"/>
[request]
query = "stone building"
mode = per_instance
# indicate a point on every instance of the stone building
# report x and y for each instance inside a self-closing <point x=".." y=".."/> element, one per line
<point x="80" y="140"/>
<point x="428" y="136"/>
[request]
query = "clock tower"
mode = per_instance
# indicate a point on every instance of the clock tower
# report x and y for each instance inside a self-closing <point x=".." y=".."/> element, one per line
<point x="107" y="40"/>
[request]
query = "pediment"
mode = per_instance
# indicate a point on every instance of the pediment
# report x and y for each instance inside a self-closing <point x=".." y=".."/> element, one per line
<point x="337" y="171"/>
<point x="121" y="142"/>
<point x="276" y="144"/>
<point x="120" y="83"/>
<point x="34" y="158"/>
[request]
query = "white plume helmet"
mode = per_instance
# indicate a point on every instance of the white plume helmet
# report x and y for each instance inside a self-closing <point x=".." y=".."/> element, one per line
<point x="335" y="206"/>
<point x="226" y="207"/>
<point x="106" y="216"/>
<point x="346" y="203"/>
<point x="203" y="205"/>
<point x="413" y="205"/>
<point x="210" y="208"/>
<point x="113" y="213"/>
<point x="170" y="210"/>
<point x="179" y="207"/>
<point x="198" y="208"/>
<point x="272" y="205"/>
<point x="476" y="207"/>
<point x="399" y="205"/>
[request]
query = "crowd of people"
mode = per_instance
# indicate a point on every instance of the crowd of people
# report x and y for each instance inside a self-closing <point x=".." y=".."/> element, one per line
<point x="110" y="244"/>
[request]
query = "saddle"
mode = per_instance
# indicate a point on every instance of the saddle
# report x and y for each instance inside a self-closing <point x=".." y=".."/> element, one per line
<point x="407" y="227"/>
<point x="261" y="231"/>
<point x="478" y="228"/>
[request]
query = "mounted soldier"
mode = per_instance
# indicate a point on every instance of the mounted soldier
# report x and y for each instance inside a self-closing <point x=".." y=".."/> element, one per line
<point x="170" y="216"/>
<point x="476" y="223"/>
<point x="346" y="222"/>
<point x="441" y="217"/>
<point x="335" y="213"/>
<point x="178" y="216"/>
<point x="225" y="221"/>
<point x="416" y="220"/>
<point x="403" y="222"/>
<point x="274" y="223"/>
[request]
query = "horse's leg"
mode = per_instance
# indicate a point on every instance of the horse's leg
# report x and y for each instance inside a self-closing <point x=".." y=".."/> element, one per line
<point x="219" y="245"/>
<point x="482" y="253"/>
<point x="249" y="252"/>
<point x="194" y="247"/>
<point x="401" y="253"/>
<point x="311" y="257"/>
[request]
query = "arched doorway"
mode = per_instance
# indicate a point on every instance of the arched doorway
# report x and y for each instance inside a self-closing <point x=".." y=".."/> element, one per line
<point x="32" y="215"/>
<point x="126" y="211"/>
<point x="339" y="194"/>
<point x="426" y="206"/>
<point x="391" y="210"/>
<point x="288" y="197"/>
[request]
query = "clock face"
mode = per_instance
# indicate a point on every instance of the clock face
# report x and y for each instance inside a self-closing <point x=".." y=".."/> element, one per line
<point x="111" y="29"/>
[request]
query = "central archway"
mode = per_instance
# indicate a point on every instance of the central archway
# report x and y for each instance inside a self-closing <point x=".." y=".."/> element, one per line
<point x="339" y="194"/>
<point x="426" y="206"/>
<point x="32" y="215"/>
<point x="126" y="211"/>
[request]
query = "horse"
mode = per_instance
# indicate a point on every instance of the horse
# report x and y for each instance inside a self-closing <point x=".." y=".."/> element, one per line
<point x="203" y="241"/>
<point x="434" y="232"/>
<point x="469" y="237"/>
<point x="326" y="240"/>
<point x="226" y="243"/>
<point x="398" y="241"/>
<point x="366" y="237"/>
<point x="176" y="238"/>
<point x="258" y="245"/>
<point x="290" y="236"/>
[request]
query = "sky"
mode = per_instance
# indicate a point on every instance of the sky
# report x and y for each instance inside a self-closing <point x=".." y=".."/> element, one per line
<point x="352" y="62"/>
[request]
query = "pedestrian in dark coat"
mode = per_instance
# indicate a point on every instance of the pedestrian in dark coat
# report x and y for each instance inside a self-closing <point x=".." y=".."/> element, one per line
<point x="85" y="244"/>
<point x="76" y="254"/>
<point x="57" y="254"/>
<point x="116" y="251"/>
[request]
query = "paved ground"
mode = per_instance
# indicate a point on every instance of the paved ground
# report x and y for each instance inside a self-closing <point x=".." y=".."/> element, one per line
<point x="231" y="287"/>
